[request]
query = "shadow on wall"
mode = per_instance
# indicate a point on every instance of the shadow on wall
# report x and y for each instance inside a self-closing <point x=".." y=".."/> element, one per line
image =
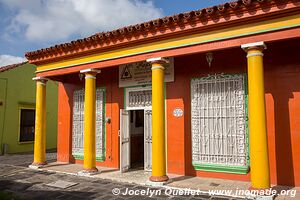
<point x="283" y="145"/>
<point x="282" y="82"/>
<point x="282" y="88"/>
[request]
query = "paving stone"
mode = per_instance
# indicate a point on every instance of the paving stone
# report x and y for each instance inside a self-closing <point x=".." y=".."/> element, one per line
<point x="52" y="195"/>
<point x="202" y="196"/>
<point x="5" y="171"/>
<point x="5" y="184"/>
<point x="104" y="182"/>
<point x="162" y="196"/>
<point x="196" y="198"/>
<point x="219" y="198"/>
<point x="61" y="184"/>
<point x="17" y="176"/>
<point x="148" y="198"/>
<point x="65" y="196"/>
<point x="41" y="195"/>
<point x="138" y="187"/>
<point x="102" y="190"/>
<point x="30" y="173"/>
<point x="107" y="197"/>
<point x="117" y="198"/>
<point x="182" y="198"/>
<point x="137" y="197"/>
<point x="20" y="186"/>
<point x="43" y="172"/>
<point x="41" y="187"/>
<point x="129" y="185"/>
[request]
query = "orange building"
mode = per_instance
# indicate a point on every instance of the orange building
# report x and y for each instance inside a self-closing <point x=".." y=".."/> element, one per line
<point x="210" y="93"/>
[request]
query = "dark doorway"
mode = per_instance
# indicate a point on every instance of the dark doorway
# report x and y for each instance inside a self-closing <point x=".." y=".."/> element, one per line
<point x="137" y="138"/>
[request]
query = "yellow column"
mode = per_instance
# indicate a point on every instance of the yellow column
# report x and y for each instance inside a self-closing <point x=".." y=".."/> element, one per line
<point x="89" y="162"/>
<point x="158" y="121"/>
<point x="259" y="159"/>
<point x="40" y="124"/>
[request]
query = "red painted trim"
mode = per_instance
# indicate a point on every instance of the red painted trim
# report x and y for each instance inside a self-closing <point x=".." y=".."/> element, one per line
<point x="212" y="46"/>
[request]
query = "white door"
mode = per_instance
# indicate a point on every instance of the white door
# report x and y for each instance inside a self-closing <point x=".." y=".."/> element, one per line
<point x="124" y="141"/>
<point x="148" y="139"/>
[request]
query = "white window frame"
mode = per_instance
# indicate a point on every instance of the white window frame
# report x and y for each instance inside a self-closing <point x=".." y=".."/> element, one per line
<point x="136" y="89"/>
<point x="212" y="162"/>
<point x="100" y="126"/>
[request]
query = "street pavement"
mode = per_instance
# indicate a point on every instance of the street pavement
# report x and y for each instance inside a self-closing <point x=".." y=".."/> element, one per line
<point x="20" y="181"/>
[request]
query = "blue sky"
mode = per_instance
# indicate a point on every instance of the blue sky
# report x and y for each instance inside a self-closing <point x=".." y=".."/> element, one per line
<point x="34" y="24"/>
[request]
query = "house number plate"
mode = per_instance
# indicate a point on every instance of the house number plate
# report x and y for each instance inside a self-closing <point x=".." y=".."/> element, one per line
<point x="177" y="112"/>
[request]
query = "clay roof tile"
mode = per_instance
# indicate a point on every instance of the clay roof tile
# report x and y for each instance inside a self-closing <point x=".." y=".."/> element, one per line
<point x="247" y="2"/>
<point x="234" y="5"/>
<point x="184" y="17"/>
<point x="12" y="66"/>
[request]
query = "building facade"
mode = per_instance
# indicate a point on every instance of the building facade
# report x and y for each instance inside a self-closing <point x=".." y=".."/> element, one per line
<point x="17" y="109"/>
<point x="209" y="93"/>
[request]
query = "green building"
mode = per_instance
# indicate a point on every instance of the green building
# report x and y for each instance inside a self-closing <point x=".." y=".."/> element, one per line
<point x="17" y="109"/>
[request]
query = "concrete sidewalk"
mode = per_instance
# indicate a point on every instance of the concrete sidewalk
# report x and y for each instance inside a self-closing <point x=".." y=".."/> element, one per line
<point x="139" y="176"/>
<point x="60" y="181"/>
<point x="134" y="177"/>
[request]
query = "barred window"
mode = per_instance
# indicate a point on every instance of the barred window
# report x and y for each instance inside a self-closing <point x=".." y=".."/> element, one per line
<point x="78" y="124"/>
<point x="219" y="121"/>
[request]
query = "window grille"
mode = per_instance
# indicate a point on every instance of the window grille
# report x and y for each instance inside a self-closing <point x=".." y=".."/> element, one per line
<point x="100" y="122"/>
<point x="140" y="99"/>
<point x="78" y="123"/>
<point x="219" y="120"/>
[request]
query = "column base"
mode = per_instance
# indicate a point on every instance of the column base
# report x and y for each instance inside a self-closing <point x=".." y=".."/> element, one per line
<point x="158" y="181"/>
<point x="35" y="165"/>
<point x="259" y="189"/>
<point x="88" y="172"/>
<point x="159" y="178"/>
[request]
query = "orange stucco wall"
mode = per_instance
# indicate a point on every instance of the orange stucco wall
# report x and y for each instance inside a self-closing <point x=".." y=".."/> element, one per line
<point x="282" y="88"/>
<point x="108" y="78"/>
<point x="178" y="96"/>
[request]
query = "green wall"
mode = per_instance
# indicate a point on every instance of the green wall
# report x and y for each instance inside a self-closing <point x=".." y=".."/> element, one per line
<point x="17" y="89"/>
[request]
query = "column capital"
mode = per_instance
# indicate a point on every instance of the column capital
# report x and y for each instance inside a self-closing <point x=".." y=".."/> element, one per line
<point x="90" y="70"/>
<point x="40" y="79"/>
<point x="254" y="46"/>
<point x="158" y="60"/>
<point x="90" y="73"/>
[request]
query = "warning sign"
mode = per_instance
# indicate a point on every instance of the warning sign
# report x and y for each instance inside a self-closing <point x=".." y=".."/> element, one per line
<point x="135" y="74"/>
<point x="126" y="73"/>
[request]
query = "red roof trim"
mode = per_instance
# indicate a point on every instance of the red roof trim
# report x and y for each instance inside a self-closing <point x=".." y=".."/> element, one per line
<point x="148" y="30"/>
<point x="9" y="67"/>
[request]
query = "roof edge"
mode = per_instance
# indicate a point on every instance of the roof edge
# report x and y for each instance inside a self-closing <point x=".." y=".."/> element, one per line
<point x="12" y="66"/>
<point x="123" y="35"/>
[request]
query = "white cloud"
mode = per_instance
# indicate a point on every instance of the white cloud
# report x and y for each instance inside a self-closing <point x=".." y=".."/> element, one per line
<point x="8" y="60"/>
<point x="55" y="20"/>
